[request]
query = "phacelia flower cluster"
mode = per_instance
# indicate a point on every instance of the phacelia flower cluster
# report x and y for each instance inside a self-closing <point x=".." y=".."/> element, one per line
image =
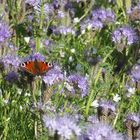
<point x="75" y="83"/>
<point x="135" y="73"/>
<point x="90" y="24"/>
<point x="102" y="131"/>
<point x="11" y="77"/>
<point x="134" y="12"/>
<point x="11" y="61"/>
<point x="107" y="105"/>
<point x="104" y="15"/>
<point x="4" y="32"/>
<point x="100" y="17"/>
<point x="33" y="2"/>
<point x="38" y="56"/>
<point x="63" y="30"/>
<point x="53" y="76"/>
<point x="64" y="126"/>
<point x="125" y="35"/>
<point x="78" y="82"/>
<point x="133" y="117"/>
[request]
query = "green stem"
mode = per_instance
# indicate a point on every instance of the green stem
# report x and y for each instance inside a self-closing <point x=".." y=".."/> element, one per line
<point x="117" y="115"/>
<point x="36" y="90"/>
<point x="121" y="104"/>
<point x="41" y="16"/>
<point x="96" y="80"/>
<point x="100" y="70"/>
<point x="86" y="12"/>
<point x="37" y="44"/>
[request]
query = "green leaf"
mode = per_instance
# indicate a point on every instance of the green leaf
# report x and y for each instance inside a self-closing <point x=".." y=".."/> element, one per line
<point x="128" y="4"/>
<point x="119" y="3"/>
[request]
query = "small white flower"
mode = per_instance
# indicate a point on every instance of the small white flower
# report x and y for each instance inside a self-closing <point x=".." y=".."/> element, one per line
<point x="73" y="32"/>
<point x="72" y="50"/>
<point x="116" y="98"/>
<point x="83" y="31"/>
<point x="89" y="26"/>
<point x="70" y="59"/>
<point x="20" y="107"/>
<point x="27" y="39"/>
<point x="131" y="90"/>
<point x="19" y="91"/>
<point x="27" y="94"/>
<point x="68" y="86"/>
<point x="6" y="101"/>
<point x="95" y="103"/>
<point x="41" y="45"/>
<point x="76" y="20"/>
<point x="62" y="54"/>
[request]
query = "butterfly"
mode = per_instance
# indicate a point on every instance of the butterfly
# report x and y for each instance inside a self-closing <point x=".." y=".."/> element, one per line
<point x="36" y="67"/>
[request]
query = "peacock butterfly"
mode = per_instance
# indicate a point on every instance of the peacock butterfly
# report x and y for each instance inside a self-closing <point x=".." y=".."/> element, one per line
<point x="36" y="67"/>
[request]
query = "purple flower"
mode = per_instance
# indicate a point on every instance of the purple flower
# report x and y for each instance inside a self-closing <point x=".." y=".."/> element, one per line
<point x="53" y="76"/>
<point x="30" y="17"/>
<point x="65" y="126"/>
<point x="11" y="77"/>
<point x="134" y="12"/>
<point x="48" y="9"/>
<point x="104" y="15"/>
<point x="97" y="25"/>
<point x="91" y="24"/>
<point x="60" y="14"/>
<point x="11" y="60"/>
<point x="107" y="105"/>
<point x="12" y="47"/>
<point x="93" y="119"/>
<point x="4" y="32"/>
<point x="102" y="131"/>
<point x="66" y="30"/>
<point x="125" y="35"/>
<point x="33" y="2"/>
<point x="135" y="73"/>
<point x="50" y="123"/>
<point x="56" y="4"/>
<point x="32" y="44"/>
<point x="48" y="43"/>
<point x="134" y="117"/>
<point x="78" y="83"/>
<point x="63" y="30"/>
<point x="38" y="56"/>
<point x="68" y="5"/>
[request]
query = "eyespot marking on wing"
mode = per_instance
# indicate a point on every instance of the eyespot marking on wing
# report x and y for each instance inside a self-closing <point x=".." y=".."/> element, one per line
<point x="23" y="65"/>
<point x="49" y="65"/>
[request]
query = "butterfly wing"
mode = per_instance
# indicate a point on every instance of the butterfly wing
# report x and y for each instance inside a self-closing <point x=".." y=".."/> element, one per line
<point x="42" y="67"/>
<point x="36" y="67"/>
<point x="29" y="66"/>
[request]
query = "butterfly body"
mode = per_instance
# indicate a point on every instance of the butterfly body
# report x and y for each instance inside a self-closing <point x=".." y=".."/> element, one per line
<point x="36" y="67"/>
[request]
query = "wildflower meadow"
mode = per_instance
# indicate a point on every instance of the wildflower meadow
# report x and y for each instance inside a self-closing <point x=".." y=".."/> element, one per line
<point x="69" y="70"/>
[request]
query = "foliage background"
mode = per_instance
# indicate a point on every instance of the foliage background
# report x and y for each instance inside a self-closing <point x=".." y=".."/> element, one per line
<point x="76" y="36"/>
